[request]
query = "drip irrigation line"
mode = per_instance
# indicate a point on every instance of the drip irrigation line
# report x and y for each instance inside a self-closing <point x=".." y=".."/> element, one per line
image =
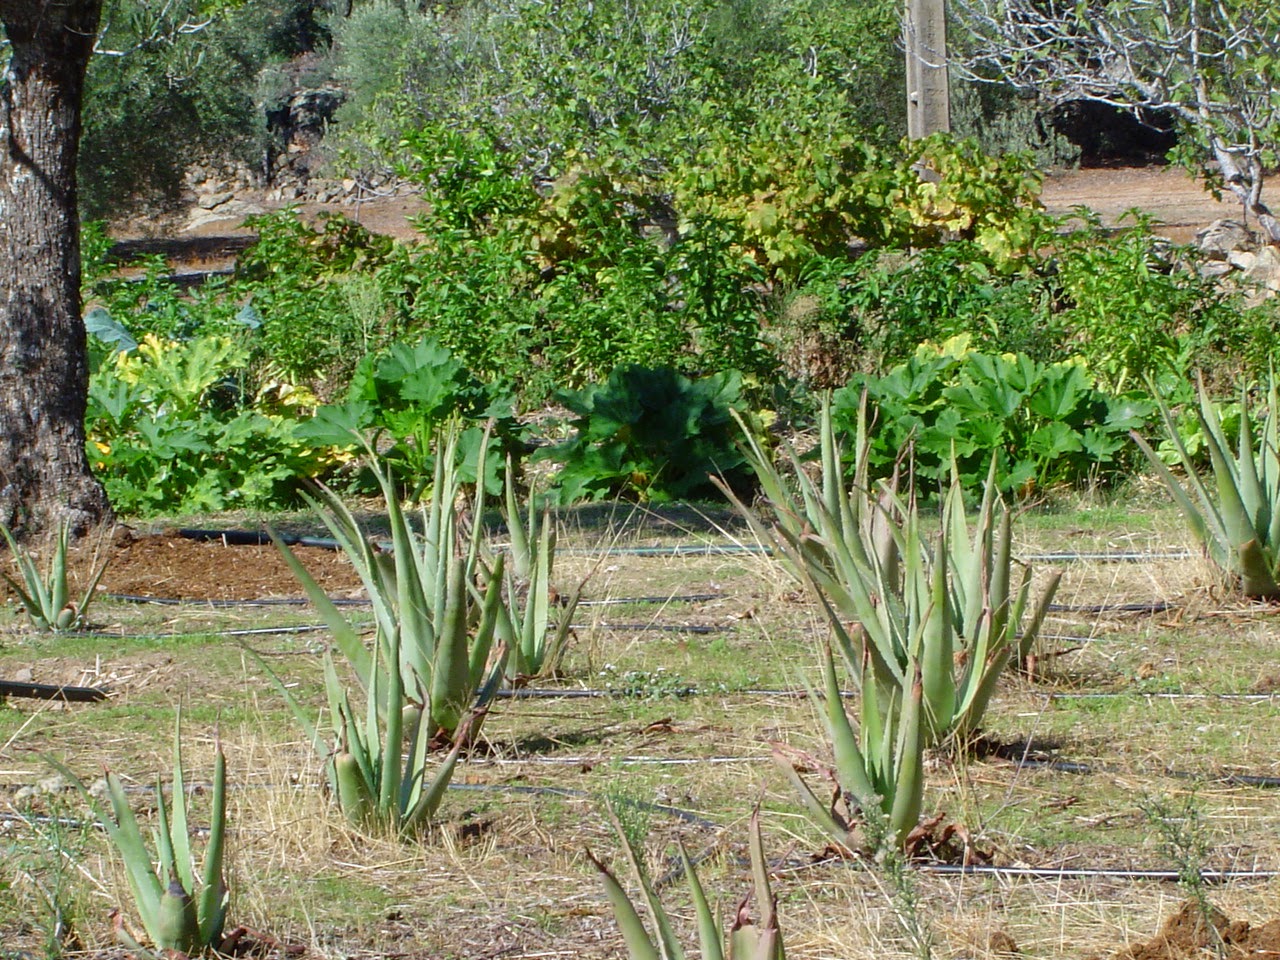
<point x="688" y="816"/>
<point x="1157" y="606"/>
<point x="1136" y="694"/>
<point x="598" y="761"/>
<point x="256" y="538"/>
<point x="694" y="628"/>
<point x="261" y="538"/>
<point x="1108" y="557"/>
<point x="674" y="550"/>
<point x="1092" y="769"/>
<point x="252" y="602"/>
<point x="637" y="601"/>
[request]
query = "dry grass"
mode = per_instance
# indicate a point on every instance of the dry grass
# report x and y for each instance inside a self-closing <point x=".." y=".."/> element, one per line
<point x="505" y="873"/>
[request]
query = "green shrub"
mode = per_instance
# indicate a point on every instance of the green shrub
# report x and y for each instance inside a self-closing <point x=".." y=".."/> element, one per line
<point x="409" y="393"/>
<point x="324" y="296"/>
<point x="650" y="434"/>
<point x="1045" y="423"/>
<point x="169" y="431"/>
<point x="1135" y="312"/>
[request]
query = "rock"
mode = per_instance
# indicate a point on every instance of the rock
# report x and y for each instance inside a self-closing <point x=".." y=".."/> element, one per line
<point x="1265" y="268"/>
<point x="23" y="675"/>
<point x="53" y="784"/>
<point x="1221" y="237"/>
<point x="1242" y="259"/>
<point x="1213" y="268"/>
<point x="348" y="185"/>
<point x="209" y="201"/>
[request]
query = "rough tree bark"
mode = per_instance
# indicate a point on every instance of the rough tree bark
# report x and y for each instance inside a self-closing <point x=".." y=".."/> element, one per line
<point x="44" y="472"/>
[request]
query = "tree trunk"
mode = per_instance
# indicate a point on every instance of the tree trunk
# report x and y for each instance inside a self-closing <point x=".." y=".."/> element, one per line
<point x="44" y="374"/>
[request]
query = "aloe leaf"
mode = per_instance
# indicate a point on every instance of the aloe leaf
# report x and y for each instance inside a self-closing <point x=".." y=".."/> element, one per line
<point x="668" y="945"/>
<point x="937" y="658"/>
<point x="639" y="946"/>
<point x="127" y="839"/>
<point x="58" y="593"/>
<point x="850" y="763"/>
<point x="179" y="834"/>
<point x="708" y="929"/>
<point x="819" y="812"/>
<point x="214" y="896"/>
<point x="1195" y="518"/>
<point x="344" y="634"/>
<point x="1256" y="573"/>
<point x="908" y="792"/>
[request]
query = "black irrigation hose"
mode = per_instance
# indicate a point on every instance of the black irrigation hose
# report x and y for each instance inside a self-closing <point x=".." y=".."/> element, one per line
<point x="1147" y="695"/>
<point x="1094" y="769"/>
<point x="1107" y="557"/>
<point x="637" y="601"/>
<point x="221" y="604"/>
<point x="259" y="538"/>
<point x="256" y="538"/>
<point x="1157" y="606"/>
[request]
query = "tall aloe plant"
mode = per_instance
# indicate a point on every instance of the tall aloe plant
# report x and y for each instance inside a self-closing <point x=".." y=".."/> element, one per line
<point x="935" y="627"/>
<point x="1238" y="523"/>
<point x="436" y="606"/>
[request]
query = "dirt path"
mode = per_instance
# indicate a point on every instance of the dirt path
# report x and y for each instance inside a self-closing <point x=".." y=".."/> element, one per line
<point x="1179" y="204"/>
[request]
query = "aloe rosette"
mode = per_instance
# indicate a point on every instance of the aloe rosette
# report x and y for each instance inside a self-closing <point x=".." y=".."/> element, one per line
<point x="1239" y="527"/>
<point x="747" y="938"/>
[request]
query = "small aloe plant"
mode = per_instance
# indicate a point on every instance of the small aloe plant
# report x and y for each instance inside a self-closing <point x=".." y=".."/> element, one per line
<point x="534" y="627"/>
<point x="177" y="913"/>
<point x="1239" y="527"/>
<point x="47" y="598"/>
<point x="379" y="780"/>
<point x="747" y="939"/>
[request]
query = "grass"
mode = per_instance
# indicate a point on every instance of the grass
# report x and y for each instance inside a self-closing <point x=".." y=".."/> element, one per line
<point x="505" y="869"/>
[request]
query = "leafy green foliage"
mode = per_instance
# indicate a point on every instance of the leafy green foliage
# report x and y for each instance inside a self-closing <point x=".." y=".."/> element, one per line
<point x="1044" y="423"/>
<point x="651" y="434"/>
<point x="810" y="194"/>
<point x="1134" y="314"/>
<point x="409" y="393"/>
<point x="325" y="295"/>
<point x="169" y="430"/>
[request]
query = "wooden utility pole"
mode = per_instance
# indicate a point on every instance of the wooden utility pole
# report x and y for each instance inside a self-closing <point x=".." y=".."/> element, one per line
<point x="928" y="94"/>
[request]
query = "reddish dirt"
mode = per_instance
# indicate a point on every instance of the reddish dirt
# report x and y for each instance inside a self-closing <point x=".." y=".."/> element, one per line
<point x="1189" y="933"/>
<point x="178" y="568"/>
<point x="1178" y="204"/>
<point x="171" y="567"/>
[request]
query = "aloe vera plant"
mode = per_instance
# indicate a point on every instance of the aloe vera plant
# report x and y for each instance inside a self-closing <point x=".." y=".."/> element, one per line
<point x="378" y="766"/>
<point x="436" y="605"/>
<point x="747" y="939"/>
<point x="949" y="610"/>
<point x="177" y="913"/>
<point x="1239" y="528"/>
<point x="47" y="598"/>
<point x="935" y="627"/>
<point x="533" y="625"/>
